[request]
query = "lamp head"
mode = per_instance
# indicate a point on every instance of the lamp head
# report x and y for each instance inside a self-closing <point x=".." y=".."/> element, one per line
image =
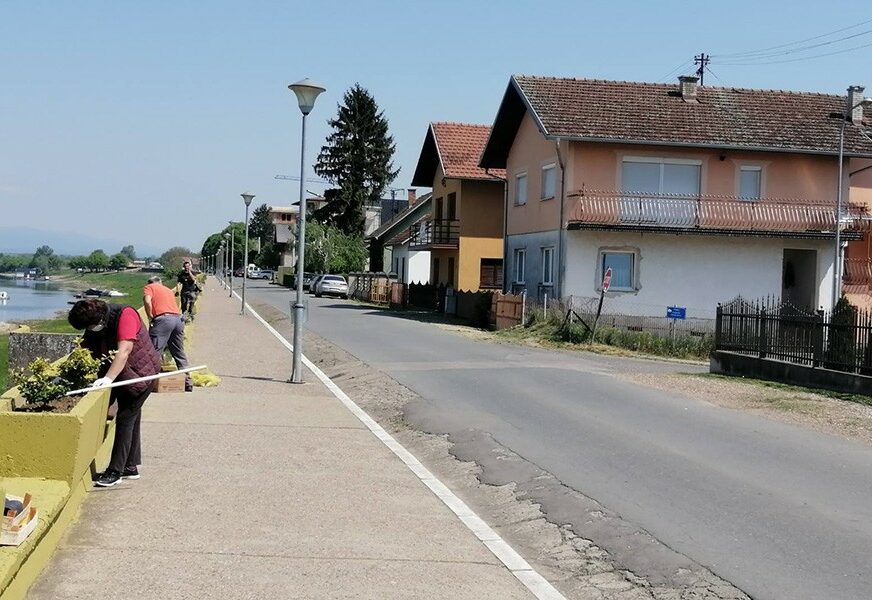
<point x="226" y="235"/>
<point x="247" y="197"/>
<point x="307" y="92"/>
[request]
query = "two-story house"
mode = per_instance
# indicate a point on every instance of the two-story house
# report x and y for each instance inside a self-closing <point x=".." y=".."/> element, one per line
<point x="690" y="195"/>
<point x="464" y="232"/>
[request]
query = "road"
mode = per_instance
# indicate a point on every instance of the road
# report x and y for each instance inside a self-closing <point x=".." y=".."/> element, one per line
<point x="779" y="511"/>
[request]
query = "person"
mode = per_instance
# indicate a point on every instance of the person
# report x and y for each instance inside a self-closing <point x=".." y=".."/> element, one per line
<point x="167" y="327"/>
<point x="189" y="290"/>
<point x="118" y="329"/>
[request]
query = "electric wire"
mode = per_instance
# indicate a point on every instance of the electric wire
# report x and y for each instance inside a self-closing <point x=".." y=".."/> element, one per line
<point x="755" y="59"/>
<point x="736" y="55"/>
<point x="675" y="70"/>
<point x="790" y="60"/>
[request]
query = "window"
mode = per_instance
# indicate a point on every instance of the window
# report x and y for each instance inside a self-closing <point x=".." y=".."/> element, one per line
<point x="491" y="273"/>
<point x="451" y="271"/>
<point x="661" y="176"/>
<point x="549" y="181"/>
<point x="434" y="277"/>
<point x="521" y="189"/>
<point x="623" y="266"/>
<point x="452" y="206"/>
<point x="520" y="265"/>
<point x="749" y="183"/>
<point x="548" y="266"/>
<point x="437" y="209"/>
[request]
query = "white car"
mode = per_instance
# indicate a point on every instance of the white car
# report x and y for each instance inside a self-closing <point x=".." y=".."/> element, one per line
<point x="331" y="285"/>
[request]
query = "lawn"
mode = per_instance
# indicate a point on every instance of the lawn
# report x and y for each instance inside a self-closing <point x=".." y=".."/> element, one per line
<point x="127" y="282"/>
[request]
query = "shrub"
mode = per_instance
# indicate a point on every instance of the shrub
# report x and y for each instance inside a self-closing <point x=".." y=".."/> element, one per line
<point x="42" y="382"/>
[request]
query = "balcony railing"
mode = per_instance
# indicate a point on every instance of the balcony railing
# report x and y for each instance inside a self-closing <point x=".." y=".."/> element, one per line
<point x="857" y="272"/>
<point x="443" y="233"/>
<point x="712" y="213"/>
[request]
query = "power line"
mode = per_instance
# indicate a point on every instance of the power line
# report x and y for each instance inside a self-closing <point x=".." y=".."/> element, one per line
<point x="796" y="43"/>
<point x="676" y="69"/>
<point x="715" y="76"/>
<point x="753" y="59"/>
<point x="790" y="60"/>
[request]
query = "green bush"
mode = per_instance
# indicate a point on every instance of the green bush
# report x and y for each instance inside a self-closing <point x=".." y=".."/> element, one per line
<point x="43" y="383"/>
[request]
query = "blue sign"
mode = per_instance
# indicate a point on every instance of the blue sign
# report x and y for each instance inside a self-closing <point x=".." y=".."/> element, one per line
<point x="676" y="312"/>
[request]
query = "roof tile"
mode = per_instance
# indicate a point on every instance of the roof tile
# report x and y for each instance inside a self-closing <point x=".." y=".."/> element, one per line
<point x="460" y="146"/>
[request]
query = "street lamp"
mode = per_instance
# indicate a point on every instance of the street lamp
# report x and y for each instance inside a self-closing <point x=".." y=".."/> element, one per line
<point x="307" y="91"/>
<point x="837" y="266"/>
<point x="232" y="258"/>
<point x="247" y="197"/>
<point x="219" y="259"/>
<point x="226" y="257"/>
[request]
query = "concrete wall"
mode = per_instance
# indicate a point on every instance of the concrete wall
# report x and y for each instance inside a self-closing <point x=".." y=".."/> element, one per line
<point x="417" y="264"/>
<point x="696" y="272"/>
<point x="481" y="229"/>
<point x="529" y="153"/>
<point x="26" y="346"/>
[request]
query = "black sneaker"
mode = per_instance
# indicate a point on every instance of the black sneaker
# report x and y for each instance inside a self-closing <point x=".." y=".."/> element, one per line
<point x="130" y="473"/>
<point x="108" y="479"/>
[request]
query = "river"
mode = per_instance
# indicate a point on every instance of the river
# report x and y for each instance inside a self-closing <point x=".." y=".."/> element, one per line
<point x="32" y="300"/>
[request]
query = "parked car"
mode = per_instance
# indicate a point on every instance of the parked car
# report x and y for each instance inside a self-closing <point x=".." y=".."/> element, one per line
<point x="313" y="284"/>
<point x="267" y="274"/>
<point x="307" y="280"/>
<point x="332" y="285"/>
<point x="240" y="272"/>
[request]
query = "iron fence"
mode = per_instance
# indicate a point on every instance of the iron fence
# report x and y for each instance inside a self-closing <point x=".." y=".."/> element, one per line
<point x="769" y="328"/>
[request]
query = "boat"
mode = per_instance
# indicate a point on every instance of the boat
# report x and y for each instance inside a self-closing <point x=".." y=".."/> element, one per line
<point x="4" y="295"/>
<point x="113" y="293"/>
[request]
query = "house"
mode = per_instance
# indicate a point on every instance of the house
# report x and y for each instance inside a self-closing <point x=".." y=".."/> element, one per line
<point x="390" y="244"/>
<point x="690" y="195"/>
<point x="464" y="233"/>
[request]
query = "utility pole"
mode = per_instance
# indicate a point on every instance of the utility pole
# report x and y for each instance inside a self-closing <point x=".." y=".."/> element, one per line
<point x="702" y="60"/>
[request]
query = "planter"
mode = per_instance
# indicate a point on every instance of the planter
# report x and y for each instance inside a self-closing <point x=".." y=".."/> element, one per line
<point x="57" y="446"/>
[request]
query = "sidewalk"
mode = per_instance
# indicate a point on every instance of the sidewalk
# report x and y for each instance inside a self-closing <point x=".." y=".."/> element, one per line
<point x="263" y="489"/>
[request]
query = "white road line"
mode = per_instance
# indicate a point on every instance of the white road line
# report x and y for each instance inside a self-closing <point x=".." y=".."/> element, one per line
<point x="513" y="561"/>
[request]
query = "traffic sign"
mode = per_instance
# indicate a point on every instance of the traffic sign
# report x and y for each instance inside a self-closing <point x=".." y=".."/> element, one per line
<point x="607" y="280"/>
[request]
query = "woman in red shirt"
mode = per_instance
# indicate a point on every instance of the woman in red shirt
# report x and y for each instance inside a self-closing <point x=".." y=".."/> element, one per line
<point x="118" y="329"/>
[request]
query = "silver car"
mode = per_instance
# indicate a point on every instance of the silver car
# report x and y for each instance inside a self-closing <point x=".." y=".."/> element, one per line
<point x="331" y="285"/>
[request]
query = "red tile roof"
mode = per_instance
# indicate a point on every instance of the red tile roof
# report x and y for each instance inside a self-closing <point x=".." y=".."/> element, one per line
<point x="460" y="146"/>
<point x="456" y="147"/>
<point x="597" y="110"/>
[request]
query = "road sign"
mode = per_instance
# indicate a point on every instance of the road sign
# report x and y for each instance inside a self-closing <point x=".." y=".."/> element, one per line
<point x="676" y="312"/>
<point x="607" y="280"/>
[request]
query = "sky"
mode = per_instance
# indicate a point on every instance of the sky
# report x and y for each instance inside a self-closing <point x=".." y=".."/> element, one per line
<point x="143" y="122"/>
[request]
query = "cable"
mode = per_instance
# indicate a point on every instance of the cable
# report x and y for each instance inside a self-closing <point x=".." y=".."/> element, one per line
<point x="790" y="60"/>
<point x="817" y="37"/>
<point x="678" y="68"/>
<point x="752" y="59"/>
<point x="716" y="76"/>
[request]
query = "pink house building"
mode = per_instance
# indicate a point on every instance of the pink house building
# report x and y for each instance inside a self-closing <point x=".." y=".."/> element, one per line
<point x="690" y="195"/>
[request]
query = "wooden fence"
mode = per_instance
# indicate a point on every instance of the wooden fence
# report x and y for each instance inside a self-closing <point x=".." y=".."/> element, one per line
<point x="507" y="310"/>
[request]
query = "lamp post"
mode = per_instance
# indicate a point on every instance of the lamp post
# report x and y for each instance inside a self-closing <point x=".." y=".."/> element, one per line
<point x="226" y="258"/>
<point x="247" y="197"/>
<point x="307" y="91"/>
<point x="220" y="260"/>
<point x="231" y="258"/>
<point x="837" y="265"/>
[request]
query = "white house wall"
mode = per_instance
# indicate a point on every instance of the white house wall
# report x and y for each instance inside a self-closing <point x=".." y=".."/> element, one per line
<point x="696" y="272"/>
<point x="417" y="264"/>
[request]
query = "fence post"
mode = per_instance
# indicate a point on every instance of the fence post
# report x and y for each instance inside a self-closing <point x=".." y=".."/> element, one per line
<point x="761" y="330"/>
<point x="719" y="320"/>
<point x="524" y="308"/>
<point x="818" y="340"/>
<point x="545" y="308"/>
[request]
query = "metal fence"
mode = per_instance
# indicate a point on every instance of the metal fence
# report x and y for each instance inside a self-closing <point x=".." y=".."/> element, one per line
<point x="769" y="328"/>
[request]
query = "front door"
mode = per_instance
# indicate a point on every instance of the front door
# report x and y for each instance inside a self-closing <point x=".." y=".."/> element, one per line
<point x="799" y="278"/>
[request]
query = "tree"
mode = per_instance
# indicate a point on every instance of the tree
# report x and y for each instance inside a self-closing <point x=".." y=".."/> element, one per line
<point x="261" y="224"/>
<point x="97" y="260"/>
<point x="173" y="258"/>
<point x="329" y="250"/>
<point x="119" y="261"/>
<point x="45" y="260"/>
<point x="269" y="256"/>
<point x="78" y="262"/>
<point x="130" y="252"/>
<point x="356" y="160"/>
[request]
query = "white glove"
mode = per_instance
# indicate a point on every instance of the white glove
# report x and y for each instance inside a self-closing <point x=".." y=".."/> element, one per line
<point x="102" y="382"/>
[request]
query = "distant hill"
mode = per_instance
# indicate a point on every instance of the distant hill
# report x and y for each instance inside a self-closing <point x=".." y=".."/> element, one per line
<point x="28" y="239"/>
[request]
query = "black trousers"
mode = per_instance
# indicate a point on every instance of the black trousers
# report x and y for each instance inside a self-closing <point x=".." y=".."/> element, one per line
<point x="127" y="448"/>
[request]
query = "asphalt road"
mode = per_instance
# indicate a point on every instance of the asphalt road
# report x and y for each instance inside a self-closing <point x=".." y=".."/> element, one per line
<point x="777" y="510"/>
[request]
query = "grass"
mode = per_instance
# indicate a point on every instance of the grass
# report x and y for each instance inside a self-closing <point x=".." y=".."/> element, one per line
<point x="4" y="362"/>
<point x="551" y="332"/>
<point x="127" y="282"/>
<point x="784" y="387"/>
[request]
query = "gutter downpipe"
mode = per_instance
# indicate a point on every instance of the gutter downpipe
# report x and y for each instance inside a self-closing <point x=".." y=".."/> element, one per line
<point x="561" y="267"/>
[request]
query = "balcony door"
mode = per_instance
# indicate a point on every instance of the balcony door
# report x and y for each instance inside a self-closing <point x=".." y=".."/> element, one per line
<point x="660" y="191"/>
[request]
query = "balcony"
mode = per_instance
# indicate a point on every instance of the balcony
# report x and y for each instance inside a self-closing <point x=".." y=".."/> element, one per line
<point x="435" y="234"/>
<point x="714" y="215"/>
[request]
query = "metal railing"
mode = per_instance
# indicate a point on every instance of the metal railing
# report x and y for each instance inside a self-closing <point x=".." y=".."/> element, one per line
<point x="443" y="232"/>
<point x="857" y="271"/>
<point x="713" y="213"/>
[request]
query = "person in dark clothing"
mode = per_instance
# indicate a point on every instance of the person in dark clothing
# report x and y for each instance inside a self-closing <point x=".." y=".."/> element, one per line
<point x="188" y="290"/>
<point x="118" y="329"/>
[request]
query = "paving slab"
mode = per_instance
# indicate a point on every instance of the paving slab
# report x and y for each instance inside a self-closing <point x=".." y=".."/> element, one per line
<point x="263" y="489"/>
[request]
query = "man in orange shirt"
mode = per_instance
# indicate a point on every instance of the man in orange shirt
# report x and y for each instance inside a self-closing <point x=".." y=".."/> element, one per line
<point x="167" y="328"/>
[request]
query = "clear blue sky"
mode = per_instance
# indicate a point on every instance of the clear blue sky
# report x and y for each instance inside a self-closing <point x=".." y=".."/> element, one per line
<point x="144" y="121"/>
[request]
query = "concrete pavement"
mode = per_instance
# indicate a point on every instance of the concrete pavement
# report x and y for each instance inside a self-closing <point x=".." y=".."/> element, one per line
<point x="261" y="489"/>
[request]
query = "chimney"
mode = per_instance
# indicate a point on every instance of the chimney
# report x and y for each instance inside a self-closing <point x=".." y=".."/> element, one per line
<point x="687" y="87"/>
<point x="855" y="97"/>
<point x="412" y="195"/>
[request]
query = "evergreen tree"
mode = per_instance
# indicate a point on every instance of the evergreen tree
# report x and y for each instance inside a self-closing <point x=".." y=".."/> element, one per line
<point x="261" y="225"/>
<point x="356" y="160"/>
<point x="130" y="252"/>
